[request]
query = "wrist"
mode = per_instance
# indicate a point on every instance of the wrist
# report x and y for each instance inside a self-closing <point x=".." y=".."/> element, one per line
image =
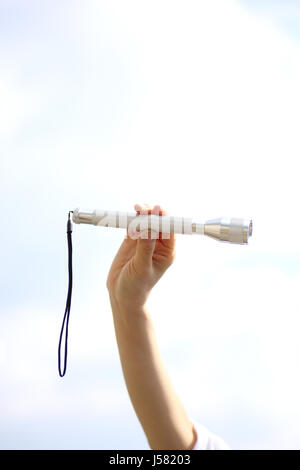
<point x="133" y="326"/>
<point x="127" y="308"/>
<point x="129" y="300"/>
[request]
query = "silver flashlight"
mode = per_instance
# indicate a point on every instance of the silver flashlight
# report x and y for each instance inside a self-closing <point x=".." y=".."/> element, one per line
<point x="232" y="230"/>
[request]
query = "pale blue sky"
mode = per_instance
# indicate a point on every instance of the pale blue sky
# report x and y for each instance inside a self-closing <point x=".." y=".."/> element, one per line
<point x="105" y="104"/>
<point x="285" y="15"/>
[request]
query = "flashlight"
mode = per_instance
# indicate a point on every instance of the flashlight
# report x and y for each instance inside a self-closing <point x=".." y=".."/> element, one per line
<point x="224" y="229"/>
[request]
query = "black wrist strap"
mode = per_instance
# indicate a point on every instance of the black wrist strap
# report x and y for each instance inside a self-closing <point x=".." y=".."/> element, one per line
<point x="65" y="323"/>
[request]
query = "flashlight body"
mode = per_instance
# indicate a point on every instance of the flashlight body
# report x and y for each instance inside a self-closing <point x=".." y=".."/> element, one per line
<point x="232" y="230"/>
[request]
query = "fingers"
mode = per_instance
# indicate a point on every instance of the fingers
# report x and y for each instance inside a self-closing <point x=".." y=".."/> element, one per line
<point x="146" y="240"/>
<point x="144" y="209"/>
<point x="140" y="209"/>
<point x="128" y="247"/>
<point x="158" y="210"/>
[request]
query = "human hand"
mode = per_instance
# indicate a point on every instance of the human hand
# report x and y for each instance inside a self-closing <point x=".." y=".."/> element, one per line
<point x="140" y="262"/>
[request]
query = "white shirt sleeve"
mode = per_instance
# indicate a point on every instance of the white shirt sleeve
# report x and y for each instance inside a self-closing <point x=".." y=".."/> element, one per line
<point x="206" y="440"/>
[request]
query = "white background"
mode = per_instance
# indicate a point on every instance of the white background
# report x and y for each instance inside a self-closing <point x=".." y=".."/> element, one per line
<point x="191" y="105"/>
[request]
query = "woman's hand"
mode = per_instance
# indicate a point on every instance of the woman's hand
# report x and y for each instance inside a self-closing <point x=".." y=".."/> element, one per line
<point x="140" y="262"/>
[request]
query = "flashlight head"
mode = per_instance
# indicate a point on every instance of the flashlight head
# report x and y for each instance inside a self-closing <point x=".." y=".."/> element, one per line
<point x="229" y="230"/>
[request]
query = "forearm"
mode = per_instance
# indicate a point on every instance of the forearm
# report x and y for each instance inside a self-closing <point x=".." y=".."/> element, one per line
<point x="151" y="391"/>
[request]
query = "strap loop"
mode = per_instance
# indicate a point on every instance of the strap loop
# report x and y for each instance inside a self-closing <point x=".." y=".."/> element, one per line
<point x="65" y="323"/>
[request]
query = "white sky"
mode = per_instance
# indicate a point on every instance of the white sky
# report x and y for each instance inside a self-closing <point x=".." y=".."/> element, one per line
<point x="191" y="105"/>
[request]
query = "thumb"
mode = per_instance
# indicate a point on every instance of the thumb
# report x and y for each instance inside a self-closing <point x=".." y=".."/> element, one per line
<point x="145" y="248"/>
